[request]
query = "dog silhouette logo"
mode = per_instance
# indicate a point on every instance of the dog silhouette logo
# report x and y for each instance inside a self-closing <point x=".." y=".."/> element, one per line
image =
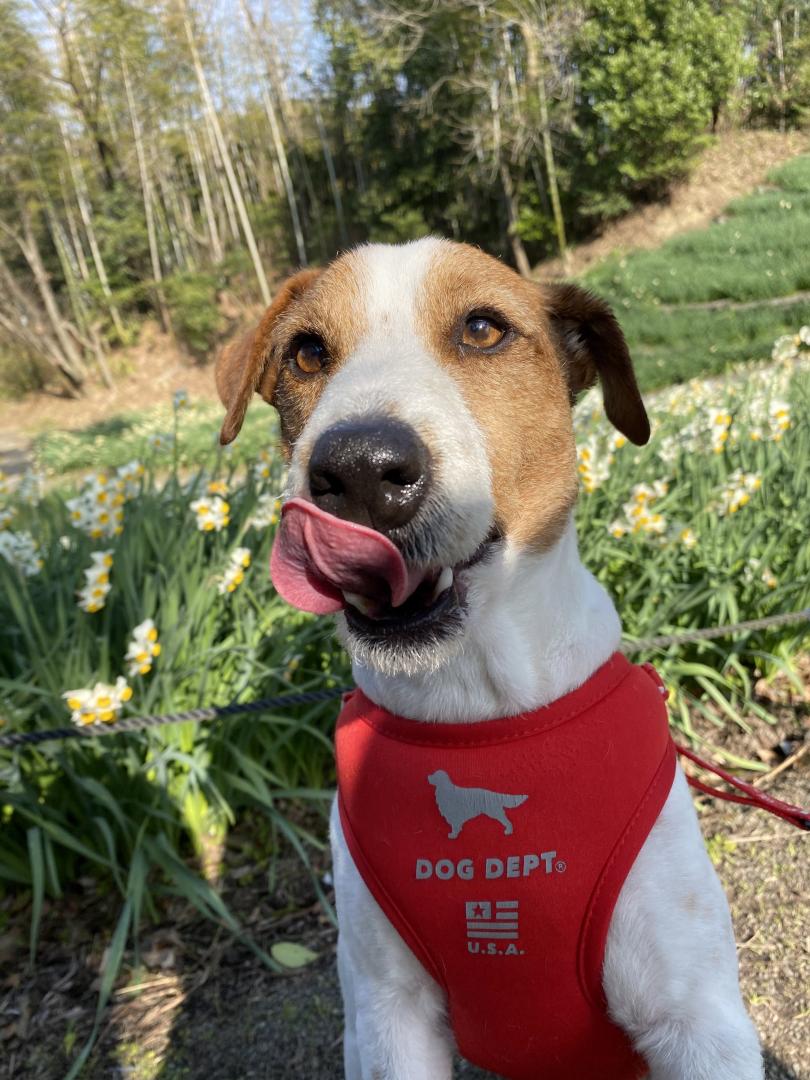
<point x="458" y="805"/>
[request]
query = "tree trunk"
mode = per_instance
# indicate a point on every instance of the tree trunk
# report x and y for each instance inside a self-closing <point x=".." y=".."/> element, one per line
<point x="30" y="249"/>
<point x="80" y="314"/>
<point x="208" y="103"/>
<point x="146" y="190"/>
<point x="86" y="104"/>
<point x="41" y="345"/>
<point x="278" y="146"/>
<point x="330" y="168"/>
<point x="224" y="188"/>
<point x="171" y="215"/>
<point x="513" y="211"/>
<point x="536" y="80"/>
<point x="76" y="243"/>
<point x="87" y="220"/>
<point x="780" y="56"/>
<point x="208" y="208"/>
<point x="71" y="363"/>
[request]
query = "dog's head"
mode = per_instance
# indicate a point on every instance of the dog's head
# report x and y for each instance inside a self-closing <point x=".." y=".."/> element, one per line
<point x="438" y="777"/>
<point x="425" y="395"/>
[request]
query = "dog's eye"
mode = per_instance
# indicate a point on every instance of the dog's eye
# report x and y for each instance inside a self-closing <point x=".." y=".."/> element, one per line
<point x="309" y="355"/>
<point x="482" y="332"/>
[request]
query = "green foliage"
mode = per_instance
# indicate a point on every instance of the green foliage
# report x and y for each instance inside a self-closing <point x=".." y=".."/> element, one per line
<point x="751" y="256"/>
<point x="192" y="301"/>
<point x="135" y="813"/>
<point x="778" y="89"/>
<point x="21" y="372"/>
<point x="470" y="121"/>
<point x="651" y="75"/>
<point x="670" y="346"/>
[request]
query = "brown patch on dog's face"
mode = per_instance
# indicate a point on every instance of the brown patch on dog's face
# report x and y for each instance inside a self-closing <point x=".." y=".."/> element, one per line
<point x="520" y="387"/>
<point x="321" y="305"/>
<point x="515" y="389"/>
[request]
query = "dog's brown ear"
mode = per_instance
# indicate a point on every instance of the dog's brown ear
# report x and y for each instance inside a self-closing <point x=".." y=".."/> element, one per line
<point x="244" y="366"/>
<point x="592" y="345"/>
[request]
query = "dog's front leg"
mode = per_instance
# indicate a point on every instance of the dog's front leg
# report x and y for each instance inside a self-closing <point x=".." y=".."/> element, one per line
<point x="395" y="1026"/>
<point x="670" y="973"/>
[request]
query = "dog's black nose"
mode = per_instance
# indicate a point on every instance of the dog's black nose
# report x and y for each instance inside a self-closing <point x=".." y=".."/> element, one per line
<point x="372" y="470"/>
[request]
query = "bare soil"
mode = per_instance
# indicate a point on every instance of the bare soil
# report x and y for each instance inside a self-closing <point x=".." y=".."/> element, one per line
<point x="197" y="1004"/>
<point x="732" y="166"/>
<point x="145" y="374"/>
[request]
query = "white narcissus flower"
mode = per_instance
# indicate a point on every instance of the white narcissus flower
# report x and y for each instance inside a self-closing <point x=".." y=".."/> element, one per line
<point x="101" y="704"/>
<point x="268" y="508"/>
<point x="93" y="595"/>
<point x="262" y="468"/>
<point x="638" y="511"/>
<point x="769" y="578"/>
<point x="142" y="648"/>
<point x="128" y="479"/>
<point x="737" y="491"/>
<point x="593" y="464"/>
<point x="31" y="487"/>
<point x="785" y="347"/>
<point x="719" y="423"/>
<point x="234" y="575"/>
<point x="687" y="538"/>
<point x="779" y="416"/>
<point x="97" y="511"/>
<point x="20" y="549"/>
<point x="212" y="514"/>
<point x="161" y="440"/>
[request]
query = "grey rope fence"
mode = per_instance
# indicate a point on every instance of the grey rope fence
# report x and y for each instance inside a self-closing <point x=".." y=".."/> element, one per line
<point x="312" y="697"/>
<point x="712" y="632"/>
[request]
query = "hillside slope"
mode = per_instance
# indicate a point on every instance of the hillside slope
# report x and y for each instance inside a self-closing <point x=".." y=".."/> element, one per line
<point x="733" y="165"/>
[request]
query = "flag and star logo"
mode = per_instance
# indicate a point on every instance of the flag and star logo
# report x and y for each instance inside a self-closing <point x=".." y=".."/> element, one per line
<point x="481" y="923"/>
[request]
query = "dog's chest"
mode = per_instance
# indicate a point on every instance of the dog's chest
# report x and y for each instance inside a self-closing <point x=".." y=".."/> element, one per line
<point x="497" y="851"/>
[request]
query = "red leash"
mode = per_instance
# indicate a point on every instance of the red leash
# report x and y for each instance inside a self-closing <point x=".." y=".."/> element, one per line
<point x="746" y="794"/>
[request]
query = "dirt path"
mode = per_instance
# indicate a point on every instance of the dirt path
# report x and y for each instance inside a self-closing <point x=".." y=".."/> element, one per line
<point x="733" y="166"/>
<point x="738" y="305"/>
<point x="15" y="453"/>
<point x="146" y="374"/>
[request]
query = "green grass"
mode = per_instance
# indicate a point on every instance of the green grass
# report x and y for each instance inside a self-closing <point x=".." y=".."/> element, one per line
<point x="754" y="253"/>
<point x="125" y="437"/>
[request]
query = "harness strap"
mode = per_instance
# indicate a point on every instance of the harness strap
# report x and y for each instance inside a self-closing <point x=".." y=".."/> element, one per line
<point x="745" y="793"/>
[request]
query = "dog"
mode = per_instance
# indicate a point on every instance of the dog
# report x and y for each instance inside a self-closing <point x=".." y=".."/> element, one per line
<point x="425" y="398"/>
<point x="458" y="805"/>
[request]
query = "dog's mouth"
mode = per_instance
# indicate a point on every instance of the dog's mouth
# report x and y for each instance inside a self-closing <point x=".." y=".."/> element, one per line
<point x="324" y="564"/>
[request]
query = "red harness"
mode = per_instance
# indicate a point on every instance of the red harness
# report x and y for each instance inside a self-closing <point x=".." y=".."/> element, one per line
<point x="498" y="850"/>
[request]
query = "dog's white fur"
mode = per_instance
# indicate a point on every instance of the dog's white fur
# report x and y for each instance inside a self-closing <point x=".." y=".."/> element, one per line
<point x="670" y="970"/>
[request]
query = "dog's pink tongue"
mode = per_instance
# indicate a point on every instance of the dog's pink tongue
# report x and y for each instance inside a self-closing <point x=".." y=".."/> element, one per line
<point x="317" y="557"/>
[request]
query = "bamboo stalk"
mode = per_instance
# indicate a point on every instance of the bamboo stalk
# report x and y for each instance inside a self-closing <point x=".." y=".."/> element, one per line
<point x="216" y="128"/>
<point x="146" y="192"/>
